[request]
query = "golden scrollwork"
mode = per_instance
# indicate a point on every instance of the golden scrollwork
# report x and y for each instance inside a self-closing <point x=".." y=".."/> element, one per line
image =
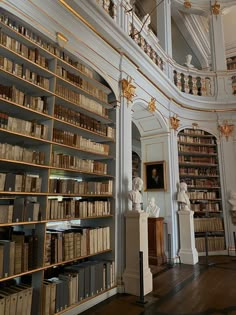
<point x="152" y="105"/>
<point x="128" y="89"/>
<point x="215" y="8"/>
<point x="187" y="4"/>
<point x="226" y="129"/>
<point x="174" y="122"/>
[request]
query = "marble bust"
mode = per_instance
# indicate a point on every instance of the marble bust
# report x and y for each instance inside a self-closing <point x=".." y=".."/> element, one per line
<point x="188" y="61"/>
<point x="232" y="200"/>
<point x="153" y="210"/>
<point x="182" y="197"/>
<point x="134" y="195"/>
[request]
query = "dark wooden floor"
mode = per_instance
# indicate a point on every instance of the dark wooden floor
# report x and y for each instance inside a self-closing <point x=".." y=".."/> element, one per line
<point x="182" y="290"/>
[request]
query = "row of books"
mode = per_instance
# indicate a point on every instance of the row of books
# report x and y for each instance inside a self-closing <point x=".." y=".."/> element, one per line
<point x="19" y="254"/>
<point x="197" y="159"/>
<point x="208" y="224"/>
<point x="18" y="153"/>
<point x="205" y="207"/>
<point x="82" y="83"/>
<point x="70" y="208"/>
<point x="52" y="48"/>
<point x="30" y="53"/>
<point x="201" y="183"/>
<point x="22" y="210"/>
<point x="16" y="299"/>
<point x="84" y="121"/>
<point x="196" y="149"/>
<point x="75" y="140"/>
<point x="215" y="243"/>
<point x="195" y="140"/>
<point x="77" y="282"/>
<point x="20" y="182"/>
<point x="205" y="195"/>
<point x="81" y="100"/>
<point x="38" y="103"/>
<point x="23" y="72"/>
<point x="196" y="132"/>
<point x="75" y="243"/>
<point x="73" y="162"/>
<point x="24" y="127"/>
<point x="198" y="171"/>
<point x="71" y="186"/>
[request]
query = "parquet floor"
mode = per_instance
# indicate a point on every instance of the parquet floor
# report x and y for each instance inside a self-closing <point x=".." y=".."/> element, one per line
<point x="182" y="290"/>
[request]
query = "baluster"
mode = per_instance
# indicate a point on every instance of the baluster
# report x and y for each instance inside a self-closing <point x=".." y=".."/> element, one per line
<point x="149" y="50"/>
<point x="178" y="83"/>
<point x="143" y="43"/>
<point x="106" y="5"/>
<point x="203" y="86"/>
<point x="208" y="87"/>
<point x="186" y="84"/>
<point x="195" y="91"/>
<point x="154" y="56"/>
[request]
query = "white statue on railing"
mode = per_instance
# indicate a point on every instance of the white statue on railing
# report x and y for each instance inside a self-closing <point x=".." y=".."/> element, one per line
<point x="153" y="210"/>
<point x="134" y="195"/>
<point x="183" y="198"/>
<point x="188" y="61"/>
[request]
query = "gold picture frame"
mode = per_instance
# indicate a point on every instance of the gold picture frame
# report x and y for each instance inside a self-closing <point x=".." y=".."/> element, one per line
<point x="154" y="174"/>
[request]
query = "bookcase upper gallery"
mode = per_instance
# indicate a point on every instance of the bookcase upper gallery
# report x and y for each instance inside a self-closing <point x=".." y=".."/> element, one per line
<point x="57" y="167"/>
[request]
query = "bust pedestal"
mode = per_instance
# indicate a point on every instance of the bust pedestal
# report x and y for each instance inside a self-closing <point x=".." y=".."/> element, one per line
<point x="136" y="241"/>
<point x="188" y="253"/>
<point x="156" y="251"/>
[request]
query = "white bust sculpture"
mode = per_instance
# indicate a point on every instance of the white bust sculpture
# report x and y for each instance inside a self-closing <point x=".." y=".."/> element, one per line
<point x="134" y="195"/>
<point x="153" y="210"/>
<point x="183" y="198"/>
<point x="188" y="61"/>
<point x="232" y="200"/>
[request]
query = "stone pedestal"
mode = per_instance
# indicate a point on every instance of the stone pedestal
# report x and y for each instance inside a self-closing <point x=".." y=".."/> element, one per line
<point x="156" y="251"/>
<point x="136" y="241"/>
<point x="188" y="253"/>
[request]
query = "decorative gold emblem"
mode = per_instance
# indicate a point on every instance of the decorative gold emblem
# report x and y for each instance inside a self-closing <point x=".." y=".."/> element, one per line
<point x="128" y="89"/>
<point x="174" y="122"/>
<point x="152" y="105"/>
<point x="215" y="8"/>
<point x="226" y="129"/>
<point x="187" y="4"/>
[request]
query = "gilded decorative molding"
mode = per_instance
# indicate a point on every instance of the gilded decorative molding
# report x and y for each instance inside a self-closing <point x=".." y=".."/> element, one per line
<point x="61" y="39"/>
<point x="174" y="122"/>
<point x="152" y="105"/>
<point x="128" y="89"/>
<point x="215" y="8"/>
<point x="226" y="129"/>
<point x="187" y="4"/>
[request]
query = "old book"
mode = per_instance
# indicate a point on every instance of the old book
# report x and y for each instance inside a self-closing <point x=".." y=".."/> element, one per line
<point x="2" y="181"/>
<point x="2" y="305"/>
<point x="18" y="210"/>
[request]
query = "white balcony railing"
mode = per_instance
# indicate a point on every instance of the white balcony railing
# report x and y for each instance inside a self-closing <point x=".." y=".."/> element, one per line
<point x="187" y="80"/>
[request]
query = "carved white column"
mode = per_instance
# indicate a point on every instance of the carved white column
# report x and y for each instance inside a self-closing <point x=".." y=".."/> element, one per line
<point x="188" y="253"/>
<point x="164" y="25"/>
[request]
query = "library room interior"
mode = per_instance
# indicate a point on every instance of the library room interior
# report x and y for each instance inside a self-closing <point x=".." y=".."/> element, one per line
<point x="117" y="157"/>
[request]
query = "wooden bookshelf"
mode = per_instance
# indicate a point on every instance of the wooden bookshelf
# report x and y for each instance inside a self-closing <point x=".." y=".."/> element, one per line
<point x="45" y="89"/>
<point x="199" y="168"/>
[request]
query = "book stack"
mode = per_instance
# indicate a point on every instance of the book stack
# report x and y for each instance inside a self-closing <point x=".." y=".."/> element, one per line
<point x="83" y="121"/>
<point x="215" y="243"/>
<point x="20" y="183"/>
<point x="70" y="186"/>
<point x="205" y="195"/>
<point x="206" y="207"/>
<point x="64" y="245"/>
<point x="24" y="127"/>
<point x="16" y="299"/>
<point x="81" y="100"/>
<point x="73" y="162"/>
<point x="208" y="224"/>
<point x="77" y="283"/>
<point x="18" y="153"/>
<point x="22" y="210"/>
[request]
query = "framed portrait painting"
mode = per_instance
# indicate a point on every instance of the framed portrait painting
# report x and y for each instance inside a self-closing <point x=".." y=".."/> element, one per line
<point x="154" y="175"/>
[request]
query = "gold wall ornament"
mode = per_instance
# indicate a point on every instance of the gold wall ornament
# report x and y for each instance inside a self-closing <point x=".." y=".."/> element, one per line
<point x="187" y="4"/>
<point x="226" y="129"/>
<point x="215" y="8"/>
<point x="128" y="89"/>
<point x="174" y="122"/>
<point x="152" y="105"/>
